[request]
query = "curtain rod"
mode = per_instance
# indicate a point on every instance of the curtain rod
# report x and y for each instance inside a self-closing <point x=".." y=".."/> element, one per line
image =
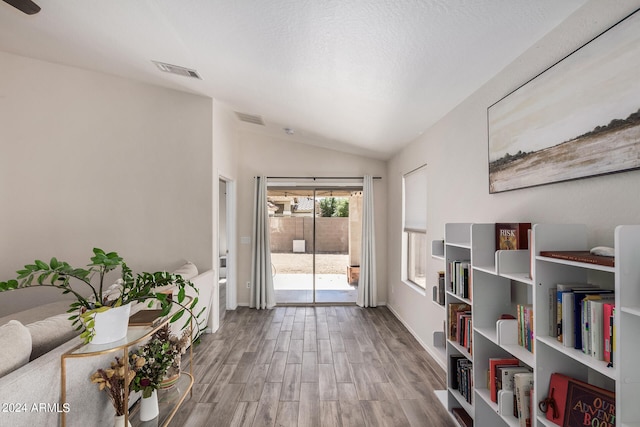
<point x="319" y="177"/>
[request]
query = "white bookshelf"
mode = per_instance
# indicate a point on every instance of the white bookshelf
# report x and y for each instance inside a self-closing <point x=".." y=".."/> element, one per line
<point x="503" y="279"/>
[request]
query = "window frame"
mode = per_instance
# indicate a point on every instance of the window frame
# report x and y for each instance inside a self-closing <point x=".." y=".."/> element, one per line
<point x="414" y="224"/>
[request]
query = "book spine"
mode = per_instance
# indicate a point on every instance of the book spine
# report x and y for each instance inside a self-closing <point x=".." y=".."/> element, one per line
<point x="597" y="342"/>
<point x="559" y="316"/>
<point x="607" y="332"/>
<point x="553" y="313"/>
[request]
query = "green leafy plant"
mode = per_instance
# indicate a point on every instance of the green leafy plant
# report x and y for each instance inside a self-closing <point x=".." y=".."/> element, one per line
<point x="343" y="208"/>
<point x="328" y="206"/>
<point x="129" y="288"/>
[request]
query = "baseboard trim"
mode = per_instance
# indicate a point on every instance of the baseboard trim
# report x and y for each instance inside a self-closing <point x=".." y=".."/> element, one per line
<point x="246" y="304"/>
<point x="431" y="352"/>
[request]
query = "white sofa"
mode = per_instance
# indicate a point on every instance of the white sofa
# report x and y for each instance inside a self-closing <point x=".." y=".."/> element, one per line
<point x="31" y="393"/>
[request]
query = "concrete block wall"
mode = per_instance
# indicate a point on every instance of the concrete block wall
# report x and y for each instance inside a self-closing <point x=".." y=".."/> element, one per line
<point x="332" y="234"/>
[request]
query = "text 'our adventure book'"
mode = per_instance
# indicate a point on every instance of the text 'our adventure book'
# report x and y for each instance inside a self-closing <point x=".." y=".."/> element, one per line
<point x="573" y="403"/>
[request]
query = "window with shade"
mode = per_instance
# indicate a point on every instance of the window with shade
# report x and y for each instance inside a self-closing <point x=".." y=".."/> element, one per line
<point x="415" y="225"/>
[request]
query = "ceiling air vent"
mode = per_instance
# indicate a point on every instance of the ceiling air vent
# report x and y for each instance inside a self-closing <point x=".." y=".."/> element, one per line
<point x="250" y="118"/>
<point x="174" y="69"/>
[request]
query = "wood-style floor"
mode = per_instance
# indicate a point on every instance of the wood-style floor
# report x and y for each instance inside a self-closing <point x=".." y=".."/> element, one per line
<point x="313" y="366"/>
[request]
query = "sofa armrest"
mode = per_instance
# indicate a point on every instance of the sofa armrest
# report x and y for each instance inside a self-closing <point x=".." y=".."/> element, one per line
<point x="204" y="283"/>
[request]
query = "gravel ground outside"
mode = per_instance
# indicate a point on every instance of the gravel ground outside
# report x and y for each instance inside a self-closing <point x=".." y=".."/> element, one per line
<point x="289" y="263"/>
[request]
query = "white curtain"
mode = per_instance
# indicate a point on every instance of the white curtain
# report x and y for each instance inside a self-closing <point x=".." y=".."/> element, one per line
<point x="262" y="294"/>
<point x="367" y="286"/>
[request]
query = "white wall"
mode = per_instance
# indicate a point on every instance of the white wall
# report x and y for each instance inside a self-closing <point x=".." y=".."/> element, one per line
<point x="455" y="150"/>
<point x="91" y="160"/>
<point x="262" y="154"/>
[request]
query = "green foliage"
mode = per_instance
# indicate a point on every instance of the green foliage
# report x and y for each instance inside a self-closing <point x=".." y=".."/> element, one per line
<point x="343" y="208"/>
<point x="330" y="206"/>
<point x="128" y="288"/>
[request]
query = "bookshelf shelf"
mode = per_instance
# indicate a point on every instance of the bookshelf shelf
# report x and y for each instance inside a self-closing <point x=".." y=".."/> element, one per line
<point x="635" y="311"/>
<point x="584" y="265"/>
<point x="461" y="401"/>
<point x="520" y="353"/>
<point x="542" y="421"/>
<point x="488" y="333"/>
<point x="578" y="355"/>
<point x="460" y="245"/>
<point x="437" y="249"/>
<point x="502" y="281"/>
<point x="458" y="298"/>
<point x="488" y="269"/>
<point x="519" y="277"/>
<point x="484" y="394"/>
<point x="460" y="349"/>
<point x="442" y="306"/>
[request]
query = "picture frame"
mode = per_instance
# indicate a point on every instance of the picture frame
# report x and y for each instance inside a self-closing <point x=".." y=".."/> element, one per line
<point x="578" y="118"/>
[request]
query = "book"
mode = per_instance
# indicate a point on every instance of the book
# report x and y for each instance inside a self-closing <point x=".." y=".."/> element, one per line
<point x="607" y="333"/>
<point x="588" y="405"/>
<point x="505" y="374"/>
<point x="494" y="362"/>
<point x="525" y="326"/>
<point x="579" y="406"/>
<point x="580" y="256"/>
<point x="613" y="335"/>
<point x="144" y="317"/>
<point x="462" y="417"/>
<point x="453" y="367"/>
<point x="454" y="308"/>
<point x="464" y="374"/>
<point x="560" y="289"/>
<point x="440" y="298"/>
<point x="567" y="320"/>
<point x="512" y="235"/>
<point x="523" y="384"/>
<point x="578" y="296"/>
<point x="460" y="278"/>
<point x="553" y="312"/>
<point x="596" y="338"/>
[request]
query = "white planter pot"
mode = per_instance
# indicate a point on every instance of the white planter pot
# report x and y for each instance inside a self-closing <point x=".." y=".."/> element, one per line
<point x="111" y="325"/>
<point x="149" y="407"/>
<point x="118" y="421"/>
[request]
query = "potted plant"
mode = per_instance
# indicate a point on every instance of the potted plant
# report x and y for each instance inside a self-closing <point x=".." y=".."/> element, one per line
<point x="100" y="299"/>
<point x="113" y="380"/>
<point x="159" y="356"/>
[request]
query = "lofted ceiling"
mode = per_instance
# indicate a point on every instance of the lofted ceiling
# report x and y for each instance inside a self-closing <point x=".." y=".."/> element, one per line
<point x="359" y="76"/>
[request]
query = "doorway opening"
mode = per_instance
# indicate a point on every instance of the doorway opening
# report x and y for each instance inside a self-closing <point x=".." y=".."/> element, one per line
<point x="315" y="235"/>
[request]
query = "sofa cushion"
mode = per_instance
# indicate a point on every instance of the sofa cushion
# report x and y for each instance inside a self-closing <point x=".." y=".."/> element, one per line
<point x="188" y="271"/>
<point x="49" y="333"/>
<point x="15" y="346"/>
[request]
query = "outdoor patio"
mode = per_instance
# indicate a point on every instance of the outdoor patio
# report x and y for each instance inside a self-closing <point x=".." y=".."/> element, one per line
<point x="293" y="278"/>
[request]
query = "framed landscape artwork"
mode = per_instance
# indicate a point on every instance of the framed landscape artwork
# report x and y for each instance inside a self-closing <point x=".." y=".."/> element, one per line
<point x="578" y="118"/>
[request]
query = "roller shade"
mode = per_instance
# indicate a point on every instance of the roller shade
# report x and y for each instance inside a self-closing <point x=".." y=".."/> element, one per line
<point x="415" y="200"/>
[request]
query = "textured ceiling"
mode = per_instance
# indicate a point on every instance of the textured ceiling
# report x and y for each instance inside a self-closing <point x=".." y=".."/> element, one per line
<point x="359" y="76"/>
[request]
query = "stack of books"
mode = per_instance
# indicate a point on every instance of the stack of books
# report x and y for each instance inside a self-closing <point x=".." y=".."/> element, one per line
<point x="584" y="319"/>
<point x="460" y="325"/>
<point x="463" y="379"/>
<point x="460" y="278"/>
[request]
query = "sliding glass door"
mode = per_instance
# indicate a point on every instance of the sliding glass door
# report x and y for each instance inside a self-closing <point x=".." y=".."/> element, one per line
<point x="315" y="243"/>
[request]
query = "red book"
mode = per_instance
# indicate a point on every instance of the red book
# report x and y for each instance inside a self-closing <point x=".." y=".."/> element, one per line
<point x="607" y="330"/>
<point x="494" y="362"/>
<point x="574" y="400"/>
<point x="512" y="235"/>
